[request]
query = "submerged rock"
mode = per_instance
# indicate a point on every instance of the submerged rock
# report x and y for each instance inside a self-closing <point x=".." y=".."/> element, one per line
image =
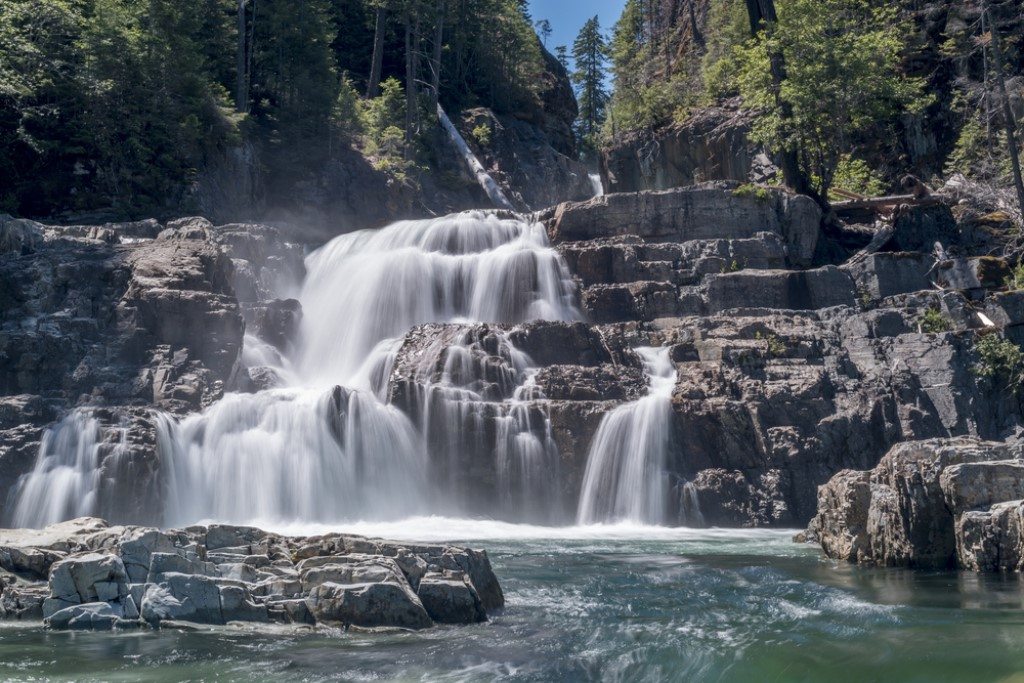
<point x="117" y="577"/>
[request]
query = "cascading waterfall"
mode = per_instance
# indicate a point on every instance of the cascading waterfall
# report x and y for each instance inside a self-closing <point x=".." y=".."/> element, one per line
<point x="625" y="478"/>
<point x="479" y="412"/>
<point x="596" y="184"/>
<point x="313" y="452"/>
<point x="65" y="479"/>
<point x="327" y="447"/>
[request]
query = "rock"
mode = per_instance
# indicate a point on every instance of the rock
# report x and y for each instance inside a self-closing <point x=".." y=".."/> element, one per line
<point x="115" y="576"/>
<point x="914" y="508"/>
<point x="992" y="540"/>
<point x="979" y="485"/>
<point x="18" y="235"/>
<point x="183" y="597"/>
<point x="94" y="616"/>
<point x="710" y="211"/>
<point x="523" y="160"/>
<point x="236" y="605"/>
<point x="841" y="524"/>
<point x="711" y="144"/>
<point x="450" y="598"/>
<point x="21" y="602"/>
<point x="85" y="578"/>
<point x="369" y="605"/>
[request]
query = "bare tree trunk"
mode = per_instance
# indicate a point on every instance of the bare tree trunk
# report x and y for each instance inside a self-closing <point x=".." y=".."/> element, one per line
<point x="241" y="92"/>
<point x="763" y="12"/>
<point x="1009" y="121"/>
<point x="438" y="39"/>
<point x="377" y="62"/>
<point x="410" y="85"/>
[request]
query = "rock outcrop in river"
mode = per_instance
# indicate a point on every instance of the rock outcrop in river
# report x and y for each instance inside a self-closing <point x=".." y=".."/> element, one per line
<point x="86" y="574"/>
<point x="940" y="503"/>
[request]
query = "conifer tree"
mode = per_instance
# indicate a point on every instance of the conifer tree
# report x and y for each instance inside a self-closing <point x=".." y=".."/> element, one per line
<point x="590" y="53"/>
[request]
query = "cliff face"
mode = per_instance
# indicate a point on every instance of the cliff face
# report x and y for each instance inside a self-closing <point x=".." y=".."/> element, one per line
<point x="786" y="371"/>
<point x="712" y="143"/>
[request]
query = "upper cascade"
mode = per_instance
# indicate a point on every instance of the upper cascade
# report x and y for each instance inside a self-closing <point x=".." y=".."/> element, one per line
<point x="374" y="285"/>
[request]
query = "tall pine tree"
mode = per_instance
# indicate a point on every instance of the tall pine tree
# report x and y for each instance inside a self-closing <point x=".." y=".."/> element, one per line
<point x="590" y="54"/>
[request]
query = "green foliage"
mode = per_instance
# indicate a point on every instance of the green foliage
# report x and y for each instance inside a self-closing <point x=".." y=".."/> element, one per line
<point x="383" y="136"/>
<point x="980" y="153"/>
<point x="117" y="104"/>
<point x="482" y="135"/>
<point x="589" y="53"/>
<point x="932" y="321"/>
<point x="751" y="191"/>
<point x="492" y="56"/>
<point x="842" y="77"/>
<point x="864" y="298"/>
<point x="107" y="103"/>
<point x="855" y="175"/>
<point x="776" y="347"/>
<point x="656" y="64"/>
<point x="1000" y="359"/>
<point x="733" y="266"/>
<point x="1015" y="281"/>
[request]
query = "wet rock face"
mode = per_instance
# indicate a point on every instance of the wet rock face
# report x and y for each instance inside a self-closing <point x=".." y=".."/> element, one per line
<point x="85" y="574"/>
<point x="525" y="161"/>
<point x="934" y="504"/>
<point x="713" y="144"/>
<point x="127" y="317"/>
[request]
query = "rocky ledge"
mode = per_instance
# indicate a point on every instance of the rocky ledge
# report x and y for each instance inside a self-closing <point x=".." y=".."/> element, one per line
<point x="86" y="574"/>
<point x="940" y="503"/>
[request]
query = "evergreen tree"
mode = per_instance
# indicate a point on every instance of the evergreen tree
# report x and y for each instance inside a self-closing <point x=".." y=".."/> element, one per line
<point x="544" y="30"/>
<point x="589" y="53"/>
<point x="562" y="55"/>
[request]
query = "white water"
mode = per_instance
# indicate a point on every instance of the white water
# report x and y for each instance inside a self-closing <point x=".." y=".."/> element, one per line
<point x="65" y="479"/>
<point x="625" y="479"/>
<point x="326" y="447"/>
<point x="596" y="184"/>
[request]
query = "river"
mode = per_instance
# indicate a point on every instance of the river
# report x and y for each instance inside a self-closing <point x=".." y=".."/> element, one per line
<point x="610" y="603"/>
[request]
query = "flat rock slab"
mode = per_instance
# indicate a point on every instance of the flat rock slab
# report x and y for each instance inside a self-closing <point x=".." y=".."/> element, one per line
<point x="86" y="574"/>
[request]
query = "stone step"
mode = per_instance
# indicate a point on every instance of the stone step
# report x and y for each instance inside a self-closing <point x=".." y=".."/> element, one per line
<point x="797" y="290"/>
<point x="628" y="259"/>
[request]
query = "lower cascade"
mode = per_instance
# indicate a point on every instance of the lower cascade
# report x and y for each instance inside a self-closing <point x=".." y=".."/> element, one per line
<point x="625" y="479"/>
<point x="328" y="446"/>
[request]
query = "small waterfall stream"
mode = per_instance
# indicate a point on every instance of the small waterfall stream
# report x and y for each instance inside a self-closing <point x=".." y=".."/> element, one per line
<point x="625" y="479"/>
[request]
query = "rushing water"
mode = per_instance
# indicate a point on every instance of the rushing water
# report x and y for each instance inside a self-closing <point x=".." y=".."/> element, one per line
<point x="625" y="478"/>
<point x="326" y="447"/>
<point x="609" y="604"/>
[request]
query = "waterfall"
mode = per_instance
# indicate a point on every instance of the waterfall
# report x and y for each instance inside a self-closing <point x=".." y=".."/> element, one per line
<point x="327" y="446"/>
<point x="596" y="184"/>
<point x="625" y="478"/>
<point x="65" y="479"/>
<point x="371" y="286"/>
<point x="492" y="189"/>
<point x="479" y="410"/>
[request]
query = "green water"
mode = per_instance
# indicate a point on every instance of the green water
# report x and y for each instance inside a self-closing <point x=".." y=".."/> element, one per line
<point x="677" y="606"/>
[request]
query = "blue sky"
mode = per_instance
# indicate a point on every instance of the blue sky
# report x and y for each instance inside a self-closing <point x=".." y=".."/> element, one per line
<point x="568" y="16"/>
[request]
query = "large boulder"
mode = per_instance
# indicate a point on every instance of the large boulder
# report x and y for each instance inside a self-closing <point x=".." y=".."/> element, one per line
<point x="933" y="504"/>
<point x="369" y="605"/>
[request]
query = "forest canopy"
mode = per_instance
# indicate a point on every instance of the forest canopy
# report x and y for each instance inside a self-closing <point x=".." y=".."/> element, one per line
<point x="118" y="104"/>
